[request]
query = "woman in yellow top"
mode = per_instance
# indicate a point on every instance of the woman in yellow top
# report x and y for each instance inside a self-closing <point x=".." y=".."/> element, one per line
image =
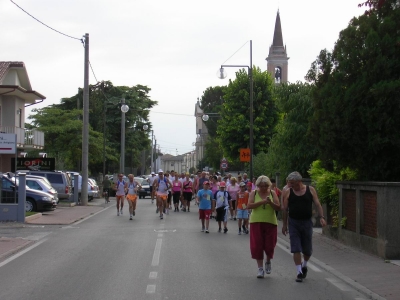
<point x="263" y="223"/>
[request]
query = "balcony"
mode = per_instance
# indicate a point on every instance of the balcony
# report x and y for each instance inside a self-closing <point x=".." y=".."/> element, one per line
<point x="26" y="138"/>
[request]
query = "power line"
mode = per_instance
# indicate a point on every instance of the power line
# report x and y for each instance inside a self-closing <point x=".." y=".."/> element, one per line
<point x="44" y="23"/>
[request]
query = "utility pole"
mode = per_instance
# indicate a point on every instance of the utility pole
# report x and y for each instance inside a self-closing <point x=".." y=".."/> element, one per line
<point x="85" y="129"/>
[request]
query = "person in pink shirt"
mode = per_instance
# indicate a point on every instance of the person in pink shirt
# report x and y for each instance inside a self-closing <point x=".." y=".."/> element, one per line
<point x="233" y="190"/>
<point x="214" y="184"/>
<point x="176" y="192"/>
<point x="187" y="187"/>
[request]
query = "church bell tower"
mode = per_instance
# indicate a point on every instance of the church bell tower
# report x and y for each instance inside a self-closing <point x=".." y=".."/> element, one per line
<point x="277" y="60"/>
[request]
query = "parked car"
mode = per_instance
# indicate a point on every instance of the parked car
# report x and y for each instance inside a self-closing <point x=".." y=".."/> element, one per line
<point x="41" y="184"/>
<point x="90" y="190"/>
<point x="59" y="180"/>
<point x="94" y="184"/>
<point x="145" y="190"/>
<point x="35" y="200"/>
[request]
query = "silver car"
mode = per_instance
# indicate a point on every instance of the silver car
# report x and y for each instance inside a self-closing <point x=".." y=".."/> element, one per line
<point x="41" y="184"/>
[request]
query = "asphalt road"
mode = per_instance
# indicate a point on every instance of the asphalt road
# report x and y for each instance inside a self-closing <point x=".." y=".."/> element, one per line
<point x="110" y="257"/>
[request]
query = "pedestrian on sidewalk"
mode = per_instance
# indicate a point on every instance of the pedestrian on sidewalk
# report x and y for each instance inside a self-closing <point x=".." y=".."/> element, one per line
<point x="204" y="198"/>
<point x="221" y="205"/>
<point x="263" y="224"/>
<point x="132" y="187"/>
<point x="298" y="199"/>
<point x="120" y="188"/>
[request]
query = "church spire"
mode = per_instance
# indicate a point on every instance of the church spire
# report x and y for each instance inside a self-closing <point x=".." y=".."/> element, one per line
<point x="278" y="40"/>
<point x="277" y="58"/>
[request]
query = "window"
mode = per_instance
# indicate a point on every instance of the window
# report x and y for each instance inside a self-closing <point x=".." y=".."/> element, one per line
<point x="33" y="185"/>
<point x="55" y="178"/>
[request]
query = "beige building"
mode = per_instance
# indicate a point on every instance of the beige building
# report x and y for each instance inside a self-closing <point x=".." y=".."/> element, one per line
<point x="277" y="58"/>
<point x="15" y="94"/>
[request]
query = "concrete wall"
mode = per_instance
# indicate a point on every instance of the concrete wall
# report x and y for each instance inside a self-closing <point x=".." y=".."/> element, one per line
<point x="372" y="212"/>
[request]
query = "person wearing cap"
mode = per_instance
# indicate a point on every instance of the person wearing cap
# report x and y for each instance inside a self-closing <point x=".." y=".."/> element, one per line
<point x="242" y="212"/>
<point x="161" y="185"/>
<point x="132" y="187"/>
<point x="152" y="178"/>
<point x="203" y="200"/>
<point x="221" y="206"/>
<point x="298" y="199"/>
<point x="187" y="187"/>
<point x="249" y="186"/>
<point x="263" y="224"/>
<point x="233" y="189"/>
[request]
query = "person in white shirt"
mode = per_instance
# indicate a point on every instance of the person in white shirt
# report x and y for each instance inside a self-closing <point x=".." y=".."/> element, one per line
<point x="151" y="182"/>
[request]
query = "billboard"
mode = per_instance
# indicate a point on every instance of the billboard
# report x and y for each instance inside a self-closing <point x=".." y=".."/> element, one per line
<point x="8" y="142"/>
<point x="34" y="163"/>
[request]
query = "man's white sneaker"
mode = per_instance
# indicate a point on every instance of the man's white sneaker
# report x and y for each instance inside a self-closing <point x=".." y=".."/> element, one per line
<point x="117" y="213"/>
<point x="268" y="267"/>
<point x="260" y="273"/>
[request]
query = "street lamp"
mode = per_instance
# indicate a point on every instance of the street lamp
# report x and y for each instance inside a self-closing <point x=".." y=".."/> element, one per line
<point x="222" y="75"/>
<point x="124" y="109"/>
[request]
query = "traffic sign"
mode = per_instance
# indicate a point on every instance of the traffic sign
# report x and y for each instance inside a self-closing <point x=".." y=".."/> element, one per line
<point x="224" y="164"/>
<point x="245" y="154"/>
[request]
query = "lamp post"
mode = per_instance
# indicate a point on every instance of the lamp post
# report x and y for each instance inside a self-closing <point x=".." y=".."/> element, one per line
<point x="145" y="127"/>
<point x="124" y="109"/>
<point x="222" y="75"/>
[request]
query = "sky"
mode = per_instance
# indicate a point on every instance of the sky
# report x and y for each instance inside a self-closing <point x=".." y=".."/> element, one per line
<point x="174" y="47"/>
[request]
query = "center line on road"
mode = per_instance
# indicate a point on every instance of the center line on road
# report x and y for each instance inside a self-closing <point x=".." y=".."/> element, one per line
<point x="153" y="275"/>
<point x="156" y="256"/>
<point x="151" y="289"/>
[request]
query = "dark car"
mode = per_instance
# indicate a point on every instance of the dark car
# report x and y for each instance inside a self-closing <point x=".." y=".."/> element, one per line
<point x="145" y="190"/>
<point x="35" y="200"/>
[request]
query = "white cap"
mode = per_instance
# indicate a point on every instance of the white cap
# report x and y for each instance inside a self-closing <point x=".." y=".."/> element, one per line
<point x="152" y="173"/>
<point x="160" y="171"/>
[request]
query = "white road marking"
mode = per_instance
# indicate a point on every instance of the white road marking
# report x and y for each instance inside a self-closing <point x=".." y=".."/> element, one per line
<point x="21" y="253"/>
<point x="340" y="285"/>
<point x="153" y="275"/>
<point x="37" y="236"/>
<point x="92" y="215"/>
<point x="160" y="235"/>
<point x="151" y="289"/>
<point x="156" y="255"/>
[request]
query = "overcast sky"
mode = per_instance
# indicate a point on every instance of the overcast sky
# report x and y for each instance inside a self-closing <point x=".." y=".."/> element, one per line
<point x="174" y="47"/>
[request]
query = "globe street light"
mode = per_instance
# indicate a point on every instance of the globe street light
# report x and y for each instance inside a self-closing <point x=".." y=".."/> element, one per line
<point x="124" y="109"/>
<point x="221" y="74"/>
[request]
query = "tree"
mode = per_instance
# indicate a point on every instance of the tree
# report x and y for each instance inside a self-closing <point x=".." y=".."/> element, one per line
<point x="63" y="135"/>
<point x="211" y="103"/>
<point x="63" y="123"/>
<point x="356" y="102"/>
<point x="291" y="149"/>
<point x="234" y="125"/>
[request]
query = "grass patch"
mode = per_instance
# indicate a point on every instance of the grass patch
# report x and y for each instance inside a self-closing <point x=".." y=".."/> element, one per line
<point x="30" y="213"/>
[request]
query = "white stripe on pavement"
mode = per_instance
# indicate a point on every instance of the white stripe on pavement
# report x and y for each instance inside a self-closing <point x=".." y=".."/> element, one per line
<point x="156" y="255"/>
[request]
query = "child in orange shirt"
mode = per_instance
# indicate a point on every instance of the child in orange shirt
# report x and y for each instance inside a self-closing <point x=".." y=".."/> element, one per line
<point x="242" y="212"/>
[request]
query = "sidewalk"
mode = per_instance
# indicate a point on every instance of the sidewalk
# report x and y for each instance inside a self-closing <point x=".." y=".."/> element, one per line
<point x="63" y="215"/>
<point x="367" y="273"/>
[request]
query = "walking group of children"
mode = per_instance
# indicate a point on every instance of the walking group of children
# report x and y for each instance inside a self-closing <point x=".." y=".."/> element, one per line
<point x="220" y="203"/>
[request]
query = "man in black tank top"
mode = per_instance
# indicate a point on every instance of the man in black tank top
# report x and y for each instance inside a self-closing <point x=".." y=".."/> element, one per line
<point x="297" y="202"/>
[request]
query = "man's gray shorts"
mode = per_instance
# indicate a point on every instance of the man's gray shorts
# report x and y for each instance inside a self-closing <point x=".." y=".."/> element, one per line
<point x="300" y="232"/>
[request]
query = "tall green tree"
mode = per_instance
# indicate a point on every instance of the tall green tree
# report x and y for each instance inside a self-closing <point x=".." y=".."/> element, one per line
<point x="104" y="123"/>
<point x="234" y="125"/>
<point x="211" y="103"/>
<point x="356" y="102"/>
<point x="291" y="148"/>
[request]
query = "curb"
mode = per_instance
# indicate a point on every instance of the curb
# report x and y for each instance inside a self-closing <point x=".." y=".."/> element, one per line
<point x="33" y="217"/>
<point x="15" y="250"/>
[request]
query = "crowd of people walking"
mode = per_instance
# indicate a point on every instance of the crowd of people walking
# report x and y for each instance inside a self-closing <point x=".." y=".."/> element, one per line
<point x="254" y="204"/>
